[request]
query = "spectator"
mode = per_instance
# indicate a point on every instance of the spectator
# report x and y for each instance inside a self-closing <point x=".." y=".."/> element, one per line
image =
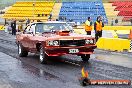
<point x="38" y="15"/>
<point x="38" y="21"/>
<point x="57" y="20"/>
<point x="112" y="22"/>
<point x="65" y="18"/>
<point x="50" y="16"/>
<point x="10" y="28"/>
<point x="116" y="21"/>
<point x="42" y="15"/>
<point x="13" y="26"/>
<point x="20" y="28"/>
<point x="131" y="21"/>
<point x="32" y="21"/>
<point x="70" y="20"/>
<point x="6" y="27"/>
<point x="17" y="28"/>
<point x="28" y="21"/>
<point x="46" y="15"/>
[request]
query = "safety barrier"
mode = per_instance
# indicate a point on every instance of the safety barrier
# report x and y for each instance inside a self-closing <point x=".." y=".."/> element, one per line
<point x="113" y="44"/>
<point x="111" y="27"/>
<point x="117" y="28"/>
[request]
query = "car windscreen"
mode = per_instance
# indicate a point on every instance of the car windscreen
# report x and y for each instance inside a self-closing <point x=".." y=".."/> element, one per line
<point x="49" y="27"/>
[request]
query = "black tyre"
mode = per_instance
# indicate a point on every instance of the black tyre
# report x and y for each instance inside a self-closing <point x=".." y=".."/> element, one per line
<point x="85" y="58"/>
<point x="85" y="82"/>
<point x="21" y="51"/>
<point x="43" y="58"/>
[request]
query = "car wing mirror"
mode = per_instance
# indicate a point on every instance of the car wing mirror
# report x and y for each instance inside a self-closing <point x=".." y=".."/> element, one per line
<point x="17" y="33"/>
<point x="53" y="30"/>
<point x="37" y="33"/>
<point x="30" y="32"/>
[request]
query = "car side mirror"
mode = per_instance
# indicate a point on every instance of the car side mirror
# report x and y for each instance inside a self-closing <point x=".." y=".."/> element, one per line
<point x="30" y="32"/>
<point x="53" y="30"/>
<point x="17" y="33"/>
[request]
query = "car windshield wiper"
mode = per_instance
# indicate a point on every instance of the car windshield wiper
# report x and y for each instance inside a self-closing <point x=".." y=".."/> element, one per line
<point x="46" y="32"/>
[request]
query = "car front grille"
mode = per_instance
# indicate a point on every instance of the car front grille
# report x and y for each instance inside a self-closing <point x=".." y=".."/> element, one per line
<point x="72" y="42"/>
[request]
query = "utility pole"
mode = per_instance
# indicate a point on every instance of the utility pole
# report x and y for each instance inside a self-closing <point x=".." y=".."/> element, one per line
<point x="34" y="9"/>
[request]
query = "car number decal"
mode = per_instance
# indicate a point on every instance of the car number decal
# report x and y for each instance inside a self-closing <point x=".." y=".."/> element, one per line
<point x="73" y="50"/>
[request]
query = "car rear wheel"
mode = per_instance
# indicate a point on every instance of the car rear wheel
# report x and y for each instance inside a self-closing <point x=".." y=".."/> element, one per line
<point x="85" y="58"/>
<point x="42" y="56"/>
<point x="21" y="51"/>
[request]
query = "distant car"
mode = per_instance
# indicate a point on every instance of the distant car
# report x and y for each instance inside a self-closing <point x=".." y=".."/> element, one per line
<point x="54" y="39"/>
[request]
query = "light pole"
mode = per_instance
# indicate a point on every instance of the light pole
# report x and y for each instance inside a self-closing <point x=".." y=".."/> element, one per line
<point x="34" y="9"/>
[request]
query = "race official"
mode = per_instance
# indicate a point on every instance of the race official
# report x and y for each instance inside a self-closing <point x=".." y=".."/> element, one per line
<point x="13" y="26"/>
<point x="88" y="26"/>
<point x="98" y="25"/>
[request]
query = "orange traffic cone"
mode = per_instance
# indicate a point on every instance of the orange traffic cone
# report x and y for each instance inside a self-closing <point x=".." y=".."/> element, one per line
<point x="130" y="35"/>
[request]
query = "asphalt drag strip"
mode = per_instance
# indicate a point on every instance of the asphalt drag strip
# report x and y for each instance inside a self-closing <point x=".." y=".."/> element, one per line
<point x="61" y="72"/>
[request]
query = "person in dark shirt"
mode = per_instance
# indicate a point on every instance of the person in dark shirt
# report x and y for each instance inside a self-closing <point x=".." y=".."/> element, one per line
<point x="13" y="26"/>
<point x="116" y="21"/>
<point x="98" y="25"/>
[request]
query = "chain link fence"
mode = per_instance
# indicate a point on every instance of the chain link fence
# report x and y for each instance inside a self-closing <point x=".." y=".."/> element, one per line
<point x="119" y="20"/>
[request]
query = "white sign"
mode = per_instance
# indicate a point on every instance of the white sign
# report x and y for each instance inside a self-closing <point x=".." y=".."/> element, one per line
<point x="73" y="50"/>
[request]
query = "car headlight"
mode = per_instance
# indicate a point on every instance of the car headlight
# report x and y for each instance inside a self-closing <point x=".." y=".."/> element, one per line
<point x="87" y="41"/>
<point x="50" y="43"/>
<point x="91" y="41"/>
<point x="53" y="43"/>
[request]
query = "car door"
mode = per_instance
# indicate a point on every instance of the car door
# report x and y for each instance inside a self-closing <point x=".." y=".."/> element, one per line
<point x="31" y="38"/>
<point x="24" y="41"/>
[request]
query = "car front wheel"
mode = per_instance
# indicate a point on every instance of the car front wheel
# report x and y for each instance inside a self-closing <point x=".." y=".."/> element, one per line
<point x="85" y="58"/>
<point x="42" y="56"/>
<point x="21" y="51"/>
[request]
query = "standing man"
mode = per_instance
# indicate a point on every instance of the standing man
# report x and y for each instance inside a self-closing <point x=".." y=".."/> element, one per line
<point x="112" y="22"/>
<point x="88" y="26"/>
<point x="50" y="16"/>
<point x="131" y="21"/>
<point x="13" y="26"/>
<point x="116" y="21"/>
<point x="28" y="21"/>
<point x="98" y="25"/>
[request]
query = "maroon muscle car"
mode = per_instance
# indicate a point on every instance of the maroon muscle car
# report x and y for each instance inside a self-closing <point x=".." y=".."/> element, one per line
<point x="54" y="39"/>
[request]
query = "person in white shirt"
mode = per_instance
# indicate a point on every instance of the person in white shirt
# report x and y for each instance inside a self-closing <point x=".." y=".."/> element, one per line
<point x="6" y="27"/>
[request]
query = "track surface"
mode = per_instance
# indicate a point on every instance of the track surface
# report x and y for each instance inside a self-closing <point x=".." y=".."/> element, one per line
<point x="62" y="72"/>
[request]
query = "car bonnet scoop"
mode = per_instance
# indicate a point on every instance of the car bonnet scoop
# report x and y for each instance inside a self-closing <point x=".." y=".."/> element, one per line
<point x="63" y="33"/>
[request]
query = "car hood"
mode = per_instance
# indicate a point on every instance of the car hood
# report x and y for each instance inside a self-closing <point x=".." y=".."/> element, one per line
<point x="71" y="36"/>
